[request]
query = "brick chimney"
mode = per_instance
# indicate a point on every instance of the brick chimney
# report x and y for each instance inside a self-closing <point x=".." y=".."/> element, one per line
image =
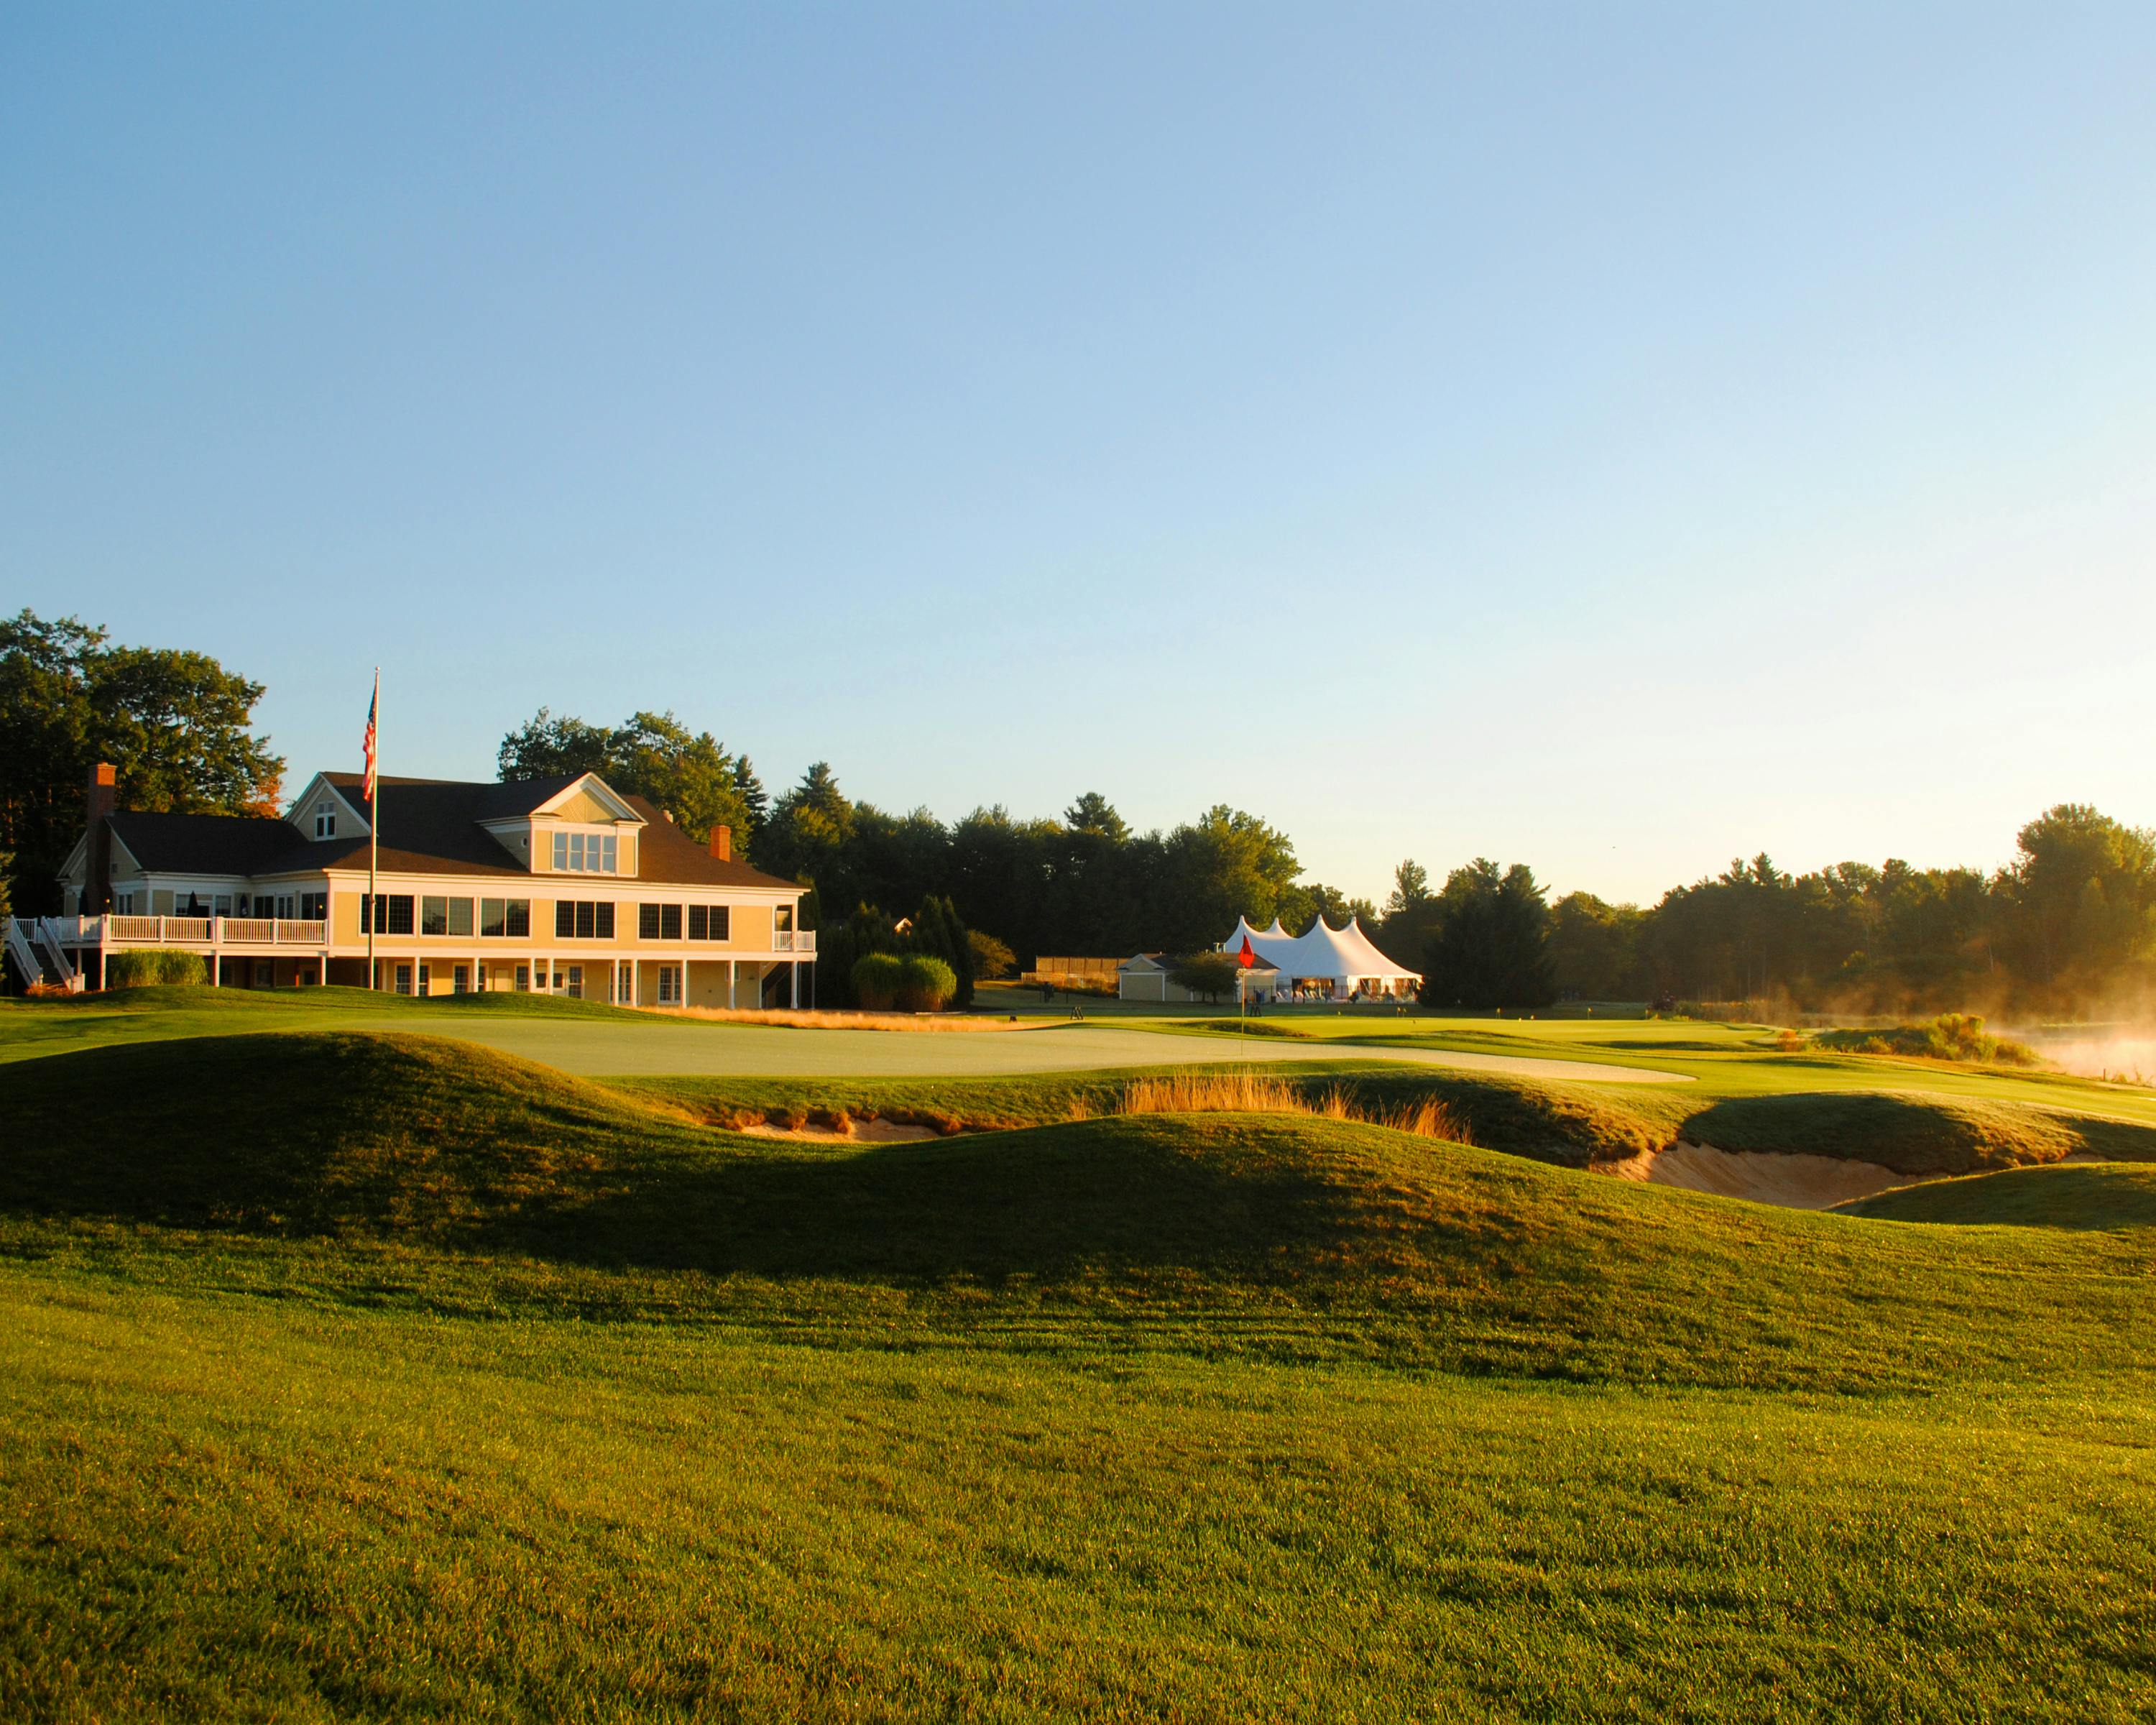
<point x="97" y="864"/>
<point x="722" y="844"/>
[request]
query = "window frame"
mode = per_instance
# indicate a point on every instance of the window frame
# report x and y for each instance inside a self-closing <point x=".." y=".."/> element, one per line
<point x="717" y="920"/>
<point x="390" y="905"/>
<point x="588" y="919"/>
<point x="513" y="921"/>
<point x="585" y="851"/>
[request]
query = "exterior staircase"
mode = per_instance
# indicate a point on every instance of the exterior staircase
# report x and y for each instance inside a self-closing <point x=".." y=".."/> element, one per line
<point x="55" y="957"/>
<point x="22" y="957"/>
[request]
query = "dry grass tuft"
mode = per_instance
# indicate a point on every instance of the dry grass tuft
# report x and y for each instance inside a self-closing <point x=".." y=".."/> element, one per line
<point x="805" y="1019"/>
<point x="1254" y="1093"/>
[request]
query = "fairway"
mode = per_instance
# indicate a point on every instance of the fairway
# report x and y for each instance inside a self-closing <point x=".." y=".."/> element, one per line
<point x="687" y="1050"/>
<point x="604" y="1042"/>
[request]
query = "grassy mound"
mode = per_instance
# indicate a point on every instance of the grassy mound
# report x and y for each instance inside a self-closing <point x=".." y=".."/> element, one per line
<point x="301" y="1134"/>
<point x="456" y="1146"/>
<point x="2104" y="1196"/>
<point x="1915" y="1134"/>
<point x="495" y="1179"/>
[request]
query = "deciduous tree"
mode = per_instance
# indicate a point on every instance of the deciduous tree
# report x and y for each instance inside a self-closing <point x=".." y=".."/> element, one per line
<point x="177" y="724"/>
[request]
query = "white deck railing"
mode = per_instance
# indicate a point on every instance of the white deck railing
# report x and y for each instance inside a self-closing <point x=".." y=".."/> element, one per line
<point x="799" y="940"/>
<point x="205" y="932"/>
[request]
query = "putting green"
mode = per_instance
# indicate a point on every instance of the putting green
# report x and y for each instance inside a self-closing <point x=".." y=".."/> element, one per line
<point x="602" y="1049"/>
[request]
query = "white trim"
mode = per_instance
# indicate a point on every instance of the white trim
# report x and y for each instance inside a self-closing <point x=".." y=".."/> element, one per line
<point x="624" y="815"/>
<point x="305" y="800"/>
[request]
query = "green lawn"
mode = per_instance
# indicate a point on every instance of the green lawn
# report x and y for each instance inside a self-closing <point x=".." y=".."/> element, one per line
<point x="369" y="1376"/>
<point x="223" y="1506"/>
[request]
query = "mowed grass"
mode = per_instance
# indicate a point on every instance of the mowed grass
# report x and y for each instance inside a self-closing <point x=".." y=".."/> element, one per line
<point x="367" y="1376"/>
<point x="219" y="1507"/>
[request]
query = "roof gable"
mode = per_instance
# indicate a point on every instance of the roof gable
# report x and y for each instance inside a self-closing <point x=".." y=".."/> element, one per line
<point x="590" y="799"/>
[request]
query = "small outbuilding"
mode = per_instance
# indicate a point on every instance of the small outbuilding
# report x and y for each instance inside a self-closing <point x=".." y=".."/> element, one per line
<point x="1150" y="976"/>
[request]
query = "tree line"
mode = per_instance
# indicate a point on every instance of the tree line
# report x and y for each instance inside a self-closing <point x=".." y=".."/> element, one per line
<point x="2068" y="925"/>
<point x="2071" y="920"/>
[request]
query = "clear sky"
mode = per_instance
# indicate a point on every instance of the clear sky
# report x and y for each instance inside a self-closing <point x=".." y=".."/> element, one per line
<point x="1614" y="438"/>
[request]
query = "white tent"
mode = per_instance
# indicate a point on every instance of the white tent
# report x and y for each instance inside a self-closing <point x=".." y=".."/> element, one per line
<point x="1341" y="958"/>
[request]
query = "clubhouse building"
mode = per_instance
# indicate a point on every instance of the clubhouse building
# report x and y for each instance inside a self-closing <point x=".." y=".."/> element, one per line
<point x="560" y="886"/>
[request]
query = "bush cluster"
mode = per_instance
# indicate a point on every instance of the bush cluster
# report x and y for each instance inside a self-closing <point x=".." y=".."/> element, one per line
<point x="150" y="966"/>
<point x="912" y="982"/>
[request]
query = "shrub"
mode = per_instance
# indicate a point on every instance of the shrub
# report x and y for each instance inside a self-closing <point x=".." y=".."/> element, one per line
<point x="1951" y="1036"/>
<point x="149" y="966"/>
<point x="992" y="958"/>
<point x="1211" y="974"/>
<point x="876" y="979"/>
<point x="925" y="983"/>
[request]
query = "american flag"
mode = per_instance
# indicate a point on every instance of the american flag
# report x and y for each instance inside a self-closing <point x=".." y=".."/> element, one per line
<point x="368" y="746"/>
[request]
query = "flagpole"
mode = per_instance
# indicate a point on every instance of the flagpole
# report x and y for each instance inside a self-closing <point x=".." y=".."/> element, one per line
<point x="374" y="823"/>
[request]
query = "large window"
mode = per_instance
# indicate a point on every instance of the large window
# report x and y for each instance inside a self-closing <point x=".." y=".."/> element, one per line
<point x="709" y="922"/>
<point x="505" y="918"/>
<point x="446" y="916"/>
<point x="659" y="922"/>
<point x="314" y="906"/>
<point x="586" y="853"/>
<point x="391" y="913"/>
<point x="584" y="919"/>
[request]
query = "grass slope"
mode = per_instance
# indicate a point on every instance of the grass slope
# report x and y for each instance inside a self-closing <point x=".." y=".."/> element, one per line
<point x="1211" y="1231"/>
<point x="379" y="1377"/>
<point x="1570" y="1124"/>
<point x="2102" y="1196"/>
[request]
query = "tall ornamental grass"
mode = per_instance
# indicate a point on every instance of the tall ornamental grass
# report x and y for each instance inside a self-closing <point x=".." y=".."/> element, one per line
<point x="149" y="966"/>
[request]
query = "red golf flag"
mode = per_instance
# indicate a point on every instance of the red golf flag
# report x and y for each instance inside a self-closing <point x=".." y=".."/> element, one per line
<point x="1246" y="958"/>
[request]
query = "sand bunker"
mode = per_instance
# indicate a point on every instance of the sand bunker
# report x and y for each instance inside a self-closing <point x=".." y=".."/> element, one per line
<point x="1800" y="1183"/>
<point x="853" y="1132"/>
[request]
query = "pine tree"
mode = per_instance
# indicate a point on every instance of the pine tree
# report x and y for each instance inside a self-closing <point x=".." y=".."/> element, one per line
<point x="754" y="798"/>
<point x="938" y="933"/>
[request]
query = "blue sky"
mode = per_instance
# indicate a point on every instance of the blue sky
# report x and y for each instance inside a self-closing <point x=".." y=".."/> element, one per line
<point x="1614" y="439"/>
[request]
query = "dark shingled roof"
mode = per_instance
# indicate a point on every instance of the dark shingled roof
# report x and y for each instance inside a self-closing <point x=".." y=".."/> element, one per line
<point x="435" y="825"/>
<point x="204" y="844"/>
<point x="431" y="826"/>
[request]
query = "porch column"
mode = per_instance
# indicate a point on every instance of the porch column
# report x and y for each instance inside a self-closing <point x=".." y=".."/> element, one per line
<point x="635" y="981"/>
<point x="796" y="981"/>
<point x="216" y="952"/>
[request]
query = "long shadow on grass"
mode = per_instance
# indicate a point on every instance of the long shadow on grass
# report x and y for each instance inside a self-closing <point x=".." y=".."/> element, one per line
<point x="458" y="1148"/>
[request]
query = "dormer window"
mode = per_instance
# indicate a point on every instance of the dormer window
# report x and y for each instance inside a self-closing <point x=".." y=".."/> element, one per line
<point x="586" y="854"/>
<point x="325" y="820"/>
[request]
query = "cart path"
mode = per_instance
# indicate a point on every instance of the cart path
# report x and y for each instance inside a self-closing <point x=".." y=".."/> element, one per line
<point x="719" y="1050"/>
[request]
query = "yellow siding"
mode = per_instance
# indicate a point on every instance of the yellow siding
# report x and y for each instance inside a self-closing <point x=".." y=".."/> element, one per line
<point x="582" y="806"/>
<point x="749" y="928"/>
